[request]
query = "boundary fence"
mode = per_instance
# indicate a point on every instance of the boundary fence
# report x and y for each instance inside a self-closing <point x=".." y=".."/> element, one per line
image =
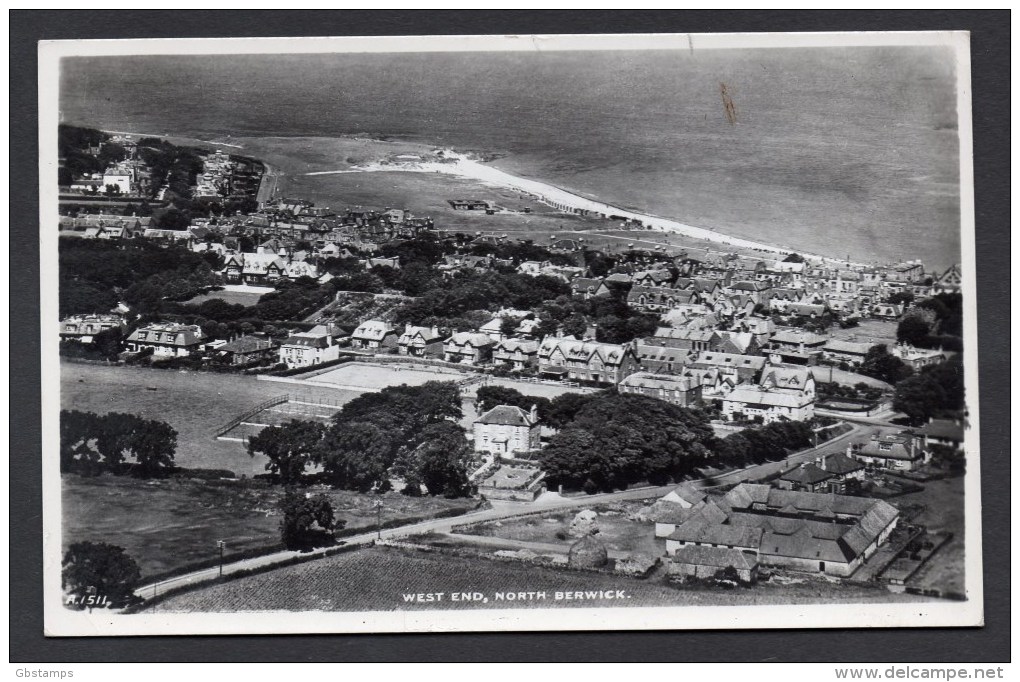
<point x="251" y="412"/>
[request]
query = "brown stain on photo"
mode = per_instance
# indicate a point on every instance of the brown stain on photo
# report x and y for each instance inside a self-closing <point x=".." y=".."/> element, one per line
<point x="728" y="105"/>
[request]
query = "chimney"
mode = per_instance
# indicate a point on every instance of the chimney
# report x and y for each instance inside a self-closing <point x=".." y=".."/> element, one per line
<point x="534" y="413"/>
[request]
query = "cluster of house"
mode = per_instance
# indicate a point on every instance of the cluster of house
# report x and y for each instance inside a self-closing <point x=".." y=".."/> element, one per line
<point x="293" y="221"/>
<point x="756" y="525"/>
<point x="129" y="177"/>
<point x="732" y="285"/>
<point x="805" y="521"/>
<point x="222" y="176"/>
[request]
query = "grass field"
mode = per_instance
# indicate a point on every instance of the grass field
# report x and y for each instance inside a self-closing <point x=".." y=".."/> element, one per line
<point x="944" y="502"/>
<point x="368" y="377"/>
<point x="616" y="531"/>
<point x="375" y="580"/>
<point x="527" y="388"/>
<point x="194" y="403"/>
<point x="873" y="331"/>
<point x="245" y="298"/>
<point x="166" y="524"/>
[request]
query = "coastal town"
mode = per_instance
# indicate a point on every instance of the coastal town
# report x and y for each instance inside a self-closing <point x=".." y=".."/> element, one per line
<point x="658" y="413"/>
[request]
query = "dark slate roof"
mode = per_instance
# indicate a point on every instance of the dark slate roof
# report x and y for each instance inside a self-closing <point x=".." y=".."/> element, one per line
<point x="720" y="557"/>
<point x="247" y="344"/>
<point x="506" y="415"/>
<point x="839" y="463"/>
<point x="943" y="428"/>
<point x="697" y="530"/>
<point x="809" y="474"/>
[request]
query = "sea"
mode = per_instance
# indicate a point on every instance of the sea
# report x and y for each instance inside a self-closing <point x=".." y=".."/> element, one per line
<point x="844" y="151"/>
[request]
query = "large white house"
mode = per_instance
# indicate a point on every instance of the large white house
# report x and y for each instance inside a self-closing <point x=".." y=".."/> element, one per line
<point x="313" y="347"/>
<point x="784" y="392"/>
<point x="506" y="430"/>
<point x="167" y="339"/>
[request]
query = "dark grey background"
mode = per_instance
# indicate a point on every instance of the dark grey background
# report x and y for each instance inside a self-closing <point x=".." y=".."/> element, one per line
<point x="990" y="38"/>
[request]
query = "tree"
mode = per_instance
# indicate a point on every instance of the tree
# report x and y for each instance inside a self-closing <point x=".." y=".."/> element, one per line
<point x="441" y="460"/>
<point x="357" y="456"/>
<point x="77" y="452"/>
<point x="937" y="391"/>
<point x="91" y="443"/>
<point x="109" y="342"/>
<point x="489" y="397"/>
<point x="616" y="440"/>
<point x="563" y="408"/>
<point x="794" y="258"/>
<point x="308" y="521"/>
<point x="289" y="448"/>
<point x="915" y="326"/>
<point x="154" y="446"/>
<point x="919" y="398"/>
<point x="901" y="297"/>
<point x="98" y="570"/>
<point x="880" y="364"/>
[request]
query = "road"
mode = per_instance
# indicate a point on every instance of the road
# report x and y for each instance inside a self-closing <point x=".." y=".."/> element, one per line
<point x="550" y="501"/>
<point x="268" y="185"/>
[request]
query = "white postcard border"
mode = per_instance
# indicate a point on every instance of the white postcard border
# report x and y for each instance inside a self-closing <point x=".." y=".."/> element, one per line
<point x="60" y="621"/>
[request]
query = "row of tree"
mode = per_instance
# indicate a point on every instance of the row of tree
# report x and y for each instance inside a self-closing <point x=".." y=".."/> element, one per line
<point x="616" y="440"/>
<point x="96" y="274"/>
<point x="767" y="443"/>
<point x="409" y="432"/>
<point x="91" y="444"/>
<point x="555" y="413"/>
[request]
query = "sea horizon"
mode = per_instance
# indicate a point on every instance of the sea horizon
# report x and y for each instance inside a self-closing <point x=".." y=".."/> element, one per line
<point x="876" y="181"/>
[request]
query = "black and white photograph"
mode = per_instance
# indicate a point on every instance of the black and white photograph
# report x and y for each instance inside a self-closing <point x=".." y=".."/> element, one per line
<point x="509" y="333"/>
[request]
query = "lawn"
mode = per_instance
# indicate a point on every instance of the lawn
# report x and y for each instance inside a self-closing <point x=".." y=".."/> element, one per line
<point x="245" y="298"/>
<point x="944" y="511"/>
<point x="167" y="524"/>
<point x="362" y="376"/>
<point x="376" y="579"/>
<point x="543" y="390"/>
<point x="872" y="331"/>
<point x="194" y="403"/>
<point x="616" y="530"/>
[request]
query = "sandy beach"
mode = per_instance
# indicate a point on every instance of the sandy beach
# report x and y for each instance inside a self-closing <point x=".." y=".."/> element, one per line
<point x="460" y="165"/>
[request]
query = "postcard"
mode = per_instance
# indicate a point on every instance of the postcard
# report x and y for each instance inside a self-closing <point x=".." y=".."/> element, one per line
<point x="488" y="333"/>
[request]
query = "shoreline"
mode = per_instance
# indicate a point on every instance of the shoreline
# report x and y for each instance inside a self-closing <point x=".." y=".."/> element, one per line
<point x="569" y="201"/>
<point x="464" y="166"/>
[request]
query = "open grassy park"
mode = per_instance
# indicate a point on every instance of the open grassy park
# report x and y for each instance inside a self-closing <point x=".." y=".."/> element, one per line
<point x="194" y="403"/>
<point x="168" y="524"/>
<point x="376" y="579"/>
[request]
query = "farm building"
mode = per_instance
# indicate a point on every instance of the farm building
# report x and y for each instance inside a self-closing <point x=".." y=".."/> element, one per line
<point x="802" y="531"/>
<point x="706" y="562"/>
